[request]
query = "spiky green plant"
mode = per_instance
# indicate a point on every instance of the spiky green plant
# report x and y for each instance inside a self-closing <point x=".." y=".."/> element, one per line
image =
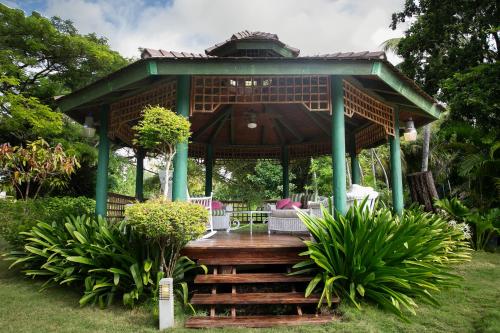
<point x="379" y="257"/>
<point x="106" y="259"/>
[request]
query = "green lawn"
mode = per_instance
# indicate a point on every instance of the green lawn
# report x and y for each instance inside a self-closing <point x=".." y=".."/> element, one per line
<point x="474" y="307"/>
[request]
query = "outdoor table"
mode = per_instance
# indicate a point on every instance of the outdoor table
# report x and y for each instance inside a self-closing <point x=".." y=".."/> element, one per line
<point x="251" y="213"/>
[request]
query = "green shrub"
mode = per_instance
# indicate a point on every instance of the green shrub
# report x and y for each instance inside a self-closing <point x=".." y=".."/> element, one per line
<point x="104" y="259"/>
<point x="381" y="257"/>
<point x="168" y="224"/>
<point x="21" y="215"/>
<point x="486" y="223"/>
<point x="107" y="259"/>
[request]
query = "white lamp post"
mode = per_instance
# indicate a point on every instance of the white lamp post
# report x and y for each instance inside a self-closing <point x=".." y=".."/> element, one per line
<point x="166" y="306"/>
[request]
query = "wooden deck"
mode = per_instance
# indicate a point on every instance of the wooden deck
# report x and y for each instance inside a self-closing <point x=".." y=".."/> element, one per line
<point x="231" y="240"/>
<point x="248" y="270"/>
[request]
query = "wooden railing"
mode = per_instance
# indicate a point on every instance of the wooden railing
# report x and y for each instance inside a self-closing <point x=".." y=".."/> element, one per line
<point x="116" y="205"/>
<point x="239" y="205"/>
<point x="117" y="202"/>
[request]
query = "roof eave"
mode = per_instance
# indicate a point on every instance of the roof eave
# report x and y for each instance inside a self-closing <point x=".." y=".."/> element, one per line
<point x="145" y="68"/>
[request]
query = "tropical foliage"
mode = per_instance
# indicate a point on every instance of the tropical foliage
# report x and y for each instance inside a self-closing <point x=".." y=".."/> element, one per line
<point x="380" y="257"/>
<point x="107" y="259"/>
<point x="22" y="215"/>
<point x="168" y="226"/>
<point x="485" y="224"/>
<point x="38" y="165"/>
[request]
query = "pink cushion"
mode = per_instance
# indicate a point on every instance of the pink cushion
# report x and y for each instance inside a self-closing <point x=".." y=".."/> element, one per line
<point x="282" y="203"/>
<point x="293" y="204"/>
<point x="217" y="205"/>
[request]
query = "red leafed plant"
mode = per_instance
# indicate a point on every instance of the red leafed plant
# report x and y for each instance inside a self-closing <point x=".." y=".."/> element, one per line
<point x="28" y="169"/>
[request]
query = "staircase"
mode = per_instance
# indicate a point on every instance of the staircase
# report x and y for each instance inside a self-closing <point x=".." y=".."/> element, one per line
<point x="248" y="285"/>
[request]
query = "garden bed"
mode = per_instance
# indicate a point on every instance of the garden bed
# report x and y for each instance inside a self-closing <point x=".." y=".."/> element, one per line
<point x="474" y="306"/>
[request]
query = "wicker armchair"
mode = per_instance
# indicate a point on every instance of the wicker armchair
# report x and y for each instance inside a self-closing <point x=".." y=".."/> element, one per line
<point x="286" y="220"/>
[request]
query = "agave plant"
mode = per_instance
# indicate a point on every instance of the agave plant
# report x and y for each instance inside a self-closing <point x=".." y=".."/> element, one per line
<point x="380" y="257"/>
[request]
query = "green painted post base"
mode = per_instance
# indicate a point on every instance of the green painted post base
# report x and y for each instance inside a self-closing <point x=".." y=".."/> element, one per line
<point x="179" y="179"/>
<point x="355" y="170"/>
<point x="101" y="192"/>
<point x="396" y="173"/>
<point x="338" y="145"/>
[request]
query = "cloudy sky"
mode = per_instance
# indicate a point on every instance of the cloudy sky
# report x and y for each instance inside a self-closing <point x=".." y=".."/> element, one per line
<point x="313" y="26"/>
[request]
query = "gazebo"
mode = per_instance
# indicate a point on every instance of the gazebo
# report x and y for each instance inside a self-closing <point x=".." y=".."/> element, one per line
<point x="252" y="97"/>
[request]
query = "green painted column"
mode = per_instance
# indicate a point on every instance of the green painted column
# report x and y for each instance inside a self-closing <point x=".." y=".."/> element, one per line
<point x="139" y="175"/>
<point x="101" y="188"/>
<point x="209" y="169"/>
<point x="285" y="161"/>
<point x="179" y="180"/>
<point x="396" y="174"/>
<point x="338" y="145"/>
<point x="355" y="170"/>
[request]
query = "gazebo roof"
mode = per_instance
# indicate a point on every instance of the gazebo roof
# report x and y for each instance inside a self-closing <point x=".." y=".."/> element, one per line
<point x="255" y="63"/>
<point x="245" y="40"/>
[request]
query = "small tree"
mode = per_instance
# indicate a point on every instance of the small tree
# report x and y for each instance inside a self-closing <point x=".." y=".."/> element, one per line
<point x="35" y="166"/>
<point x="161" y="130"/>
<point x="168" y="224"/>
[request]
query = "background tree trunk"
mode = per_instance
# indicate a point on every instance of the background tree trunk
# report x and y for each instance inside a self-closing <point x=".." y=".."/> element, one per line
<point x="422" y="189"/>
<point x="425" y="148"/>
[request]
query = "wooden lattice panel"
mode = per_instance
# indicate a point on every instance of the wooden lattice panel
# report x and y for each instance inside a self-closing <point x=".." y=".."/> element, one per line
<point x="310" y="149"/>
<point x="127" y="111"/>
<point x="358" y="102"/>
<point x="208" y="92"/>
<point x="369" y="136"/>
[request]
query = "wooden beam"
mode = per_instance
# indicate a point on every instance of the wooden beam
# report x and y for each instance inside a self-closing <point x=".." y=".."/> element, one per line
<point x="219" y="127"/>
<point x="404" y="88"/>
<point x="318" y="123"/>
<point x="207" y="126"/>
<point x="291" y="129"/>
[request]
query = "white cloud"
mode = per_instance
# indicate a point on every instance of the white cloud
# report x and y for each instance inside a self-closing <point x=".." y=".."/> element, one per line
<point x="314" y="26"/>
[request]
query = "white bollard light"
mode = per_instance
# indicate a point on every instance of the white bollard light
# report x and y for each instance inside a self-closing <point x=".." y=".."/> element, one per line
<point x="166" y="303"/>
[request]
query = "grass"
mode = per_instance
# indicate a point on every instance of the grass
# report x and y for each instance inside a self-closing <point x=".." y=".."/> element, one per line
<point x="473" y="307"/>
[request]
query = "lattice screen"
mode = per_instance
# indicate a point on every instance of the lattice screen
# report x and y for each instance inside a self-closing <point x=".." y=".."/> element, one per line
<point x="208" y="92"/>
<point x="369" y="136"/>
<point x="359" y="102"/>
<point x="127" y="111"/>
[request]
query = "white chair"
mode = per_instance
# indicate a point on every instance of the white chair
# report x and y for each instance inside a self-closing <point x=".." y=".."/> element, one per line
<point x="286" y="220"/>
<point x="207" y="203"/>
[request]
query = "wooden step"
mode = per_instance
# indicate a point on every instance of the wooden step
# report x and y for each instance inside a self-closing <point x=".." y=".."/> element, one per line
<point x="243" y="260"/>
<point x="251" y="278"/>
<point x="257" y="321"/>
<point x="256" y="298"/>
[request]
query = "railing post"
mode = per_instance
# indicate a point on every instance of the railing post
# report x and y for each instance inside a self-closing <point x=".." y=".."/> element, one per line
<point x="338" y="145"/>
<point x="101" y="193"/>
<point x="179" y="179"/>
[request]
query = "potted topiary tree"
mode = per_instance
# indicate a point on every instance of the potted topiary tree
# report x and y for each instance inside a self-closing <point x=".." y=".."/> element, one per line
<point x="160" y="130"/>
